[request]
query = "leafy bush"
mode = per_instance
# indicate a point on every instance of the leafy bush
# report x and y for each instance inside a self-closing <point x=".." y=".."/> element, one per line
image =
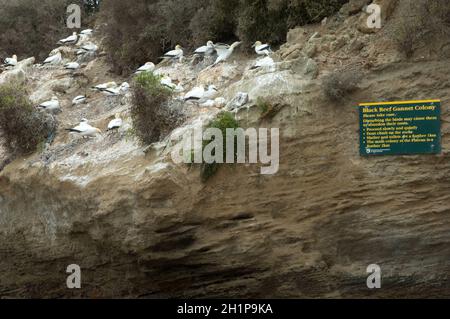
<point x="153" y="116"/>
<point x="339" y="84"/>
<point x="142" y="32"/>
<point x="223" y="121"/>
<point x="23" y="128"/>
<point x="33" y="27"/>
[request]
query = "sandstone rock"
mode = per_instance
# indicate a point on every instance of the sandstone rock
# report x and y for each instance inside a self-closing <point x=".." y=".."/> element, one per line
<point x="353" y="6"/>
<point x="297" y="35"/>
<point x="18" y="73"/>
<point x="238" y="101"/>
<point x="310" y="49"/>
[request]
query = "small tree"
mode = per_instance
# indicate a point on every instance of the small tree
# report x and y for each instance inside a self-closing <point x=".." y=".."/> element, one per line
<point x="153" y="116"/>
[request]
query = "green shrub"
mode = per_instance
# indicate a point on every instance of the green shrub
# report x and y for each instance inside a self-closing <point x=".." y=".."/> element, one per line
<point x="223" y="121"/>
<point x="268" y="109"/>
<point x="23" y="128"/>
<point x="33" y="27"/>
<point x="340" y="83"/>
<point x="153" y="116"/>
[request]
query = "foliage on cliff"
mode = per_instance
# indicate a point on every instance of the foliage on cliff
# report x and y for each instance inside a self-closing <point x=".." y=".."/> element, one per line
<point x="23" y="127"/>
<point x="152" y="115"/>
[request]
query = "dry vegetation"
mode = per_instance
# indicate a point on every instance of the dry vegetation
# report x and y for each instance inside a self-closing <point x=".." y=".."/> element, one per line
<point x="339" y="84"/>
<point x="33" y="27"/>
<point x="426" y="21"/>
<point x="22" y="127"/>
<point x="142" y="32"/>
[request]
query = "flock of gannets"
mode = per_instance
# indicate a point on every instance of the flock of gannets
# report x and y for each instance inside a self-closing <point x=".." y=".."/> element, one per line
<point x="198" y="94"/>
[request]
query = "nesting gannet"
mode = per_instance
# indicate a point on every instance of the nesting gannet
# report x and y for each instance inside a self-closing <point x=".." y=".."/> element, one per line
<point x="72" y="66"/>
<point x="207" y="49"/>
<point x="116" y="123"/>
<point x="87" y="32"/>
<point x="224" y="51"/>
<point x="112" y="89"/>
<point x="210" y="93"/>
<point x="84" y="129"/>
<point x="88" y="47"/>
<point x="147" y="67"/>
<point x="264" y="62"/>
<point x="199" y="95"/>
<point x="70" y="39"/>
<point x="195" y="94"/>
<point x="54" y="59"/>
<point x="167" y="82"/>
<point x="50" y="105"/>
<point x="262" y="49"/>
<point x="104" y="86"/>
<point x="79" y="100"/>
<point x="11" y="61"/>
<point x="174" y="54"/>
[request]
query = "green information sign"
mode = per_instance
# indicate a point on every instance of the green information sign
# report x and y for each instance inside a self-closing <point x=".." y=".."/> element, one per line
<point x="390" y="128"/>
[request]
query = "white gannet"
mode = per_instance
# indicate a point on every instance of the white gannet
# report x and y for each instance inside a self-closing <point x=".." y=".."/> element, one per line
<point x="54" y="59"/>
<point x="50" y="105"/>
<point x="264" y="62"/>
<point x="147" y="67"/>
<point x="88" y="47"/>
<point x="200" y="95"/>
<point x="167" y="82"/>
<point x="79" y="99"/>
<point x="11" y="61"/>
<point x="207" y="49"/>
<point x="195" y="94"/>
<point x="112" y="89"/>
<point x="70" y="39"/>
<point x="262" y="49"/>
<point x="116" y="123"/>
<point x="87" y="32"/>
<point x="72" y="66"/>
<point x="104" y="86"/>
<point x="174" y="54"/>
<point x="84" y="129"/>
<point x="210" y="93"/>
<point x="224" y="51"/>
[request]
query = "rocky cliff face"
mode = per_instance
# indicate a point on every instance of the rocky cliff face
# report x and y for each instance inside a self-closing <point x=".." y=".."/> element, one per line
<point x="140" y="225"/>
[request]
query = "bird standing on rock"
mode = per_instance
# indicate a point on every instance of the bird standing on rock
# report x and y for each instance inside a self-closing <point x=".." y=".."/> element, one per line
<point x="224" y="51"/>
<point x="147" y="67"/>
<point x="70" y="39"/>
<point x="262" y="49"/>
<point x="84" y="129"/>
<point x="54" y="59"/>
<point x="176" y="54"/>
<point x="207" y="49"/>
